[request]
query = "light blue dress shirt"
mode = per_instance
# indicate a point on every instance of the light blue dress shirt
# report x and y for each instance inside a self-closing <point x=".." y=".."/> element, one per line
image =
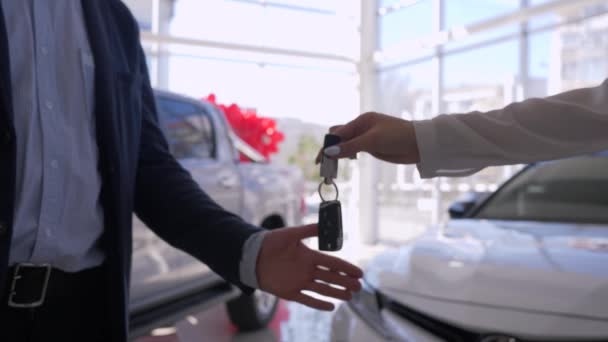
<point x="58" y="213"/>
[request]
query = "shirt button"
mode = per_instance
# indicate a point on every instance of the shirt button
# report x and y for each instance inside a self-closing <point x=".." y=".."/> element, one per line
<point x="44" y="50"/>
<point x="49" y="104"/>
<point x="54" y="164"/>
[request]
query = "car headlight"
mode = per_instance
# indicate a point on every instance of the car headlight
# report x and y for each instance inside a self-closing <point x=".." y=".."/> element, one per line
<point x="367" y="304"/>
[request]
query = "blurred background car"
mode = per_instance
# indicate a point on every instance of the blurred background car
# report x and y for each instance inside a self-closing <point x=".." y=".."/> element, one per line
<point x="525" y="263"/>
<point x="166" y="283"/>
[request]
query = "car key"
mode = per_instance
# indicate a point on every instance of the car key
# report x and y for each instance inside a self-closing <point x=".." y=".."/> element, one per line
<point x="329" y="166"/>
<point x="330" y="212"/>
<point x="330" y="226"/>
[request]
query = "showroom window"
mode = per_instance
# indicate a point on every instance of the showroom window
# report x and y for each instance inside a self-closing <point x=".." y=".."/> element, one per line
<point x="571" y="13"/>
<point x="466" y="12"/>
<point x="282" y="59"/>
<point x="319" y="26"/>
<point x="568" y="56"/>
<point x="432" y="57"/>
<point x="462" y="17"/>
<point x="411" y="21"/>
<point x="403" y="198"/>
<point x="481" y="79"/>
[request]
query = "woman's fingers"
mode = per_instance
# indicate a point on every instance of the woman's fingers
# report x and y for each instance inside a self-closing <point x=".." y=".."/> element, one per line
<point x="350" y="148"/>
<point x="333" y="129"/>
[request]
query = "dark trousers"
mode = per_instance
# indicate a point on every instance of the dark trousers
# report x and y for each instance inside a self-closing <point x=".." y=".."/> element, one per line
<point x="74" y="309"/>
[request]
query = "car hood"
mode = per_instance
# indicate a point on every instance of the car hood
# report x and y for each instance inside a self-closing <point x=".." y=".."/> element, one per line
<point x="559" y="269"/>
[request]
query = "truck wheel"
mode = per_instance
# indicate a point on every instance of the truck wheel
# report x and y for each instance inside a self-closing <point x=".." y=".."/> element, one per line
<point x="252" y="312"/>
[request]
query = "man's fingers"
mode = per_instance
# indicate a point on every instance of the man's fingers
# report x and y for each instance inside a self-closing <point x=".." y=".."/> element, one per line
<point x="313" y="302"/>
<point x="337" y="265"/>
<point x="303" y="232"/>
<point x="326" y="290"/>
<point x="330" y="277"/>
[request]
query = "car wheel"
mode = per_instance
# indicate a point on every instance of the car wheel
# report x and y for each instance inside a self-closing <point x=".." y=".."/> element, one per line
<point x="252" y="312"/>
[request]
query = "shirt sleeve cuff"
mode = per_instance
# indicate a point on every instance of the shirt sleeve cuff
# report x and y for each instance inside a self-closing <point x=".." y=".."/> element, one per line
<point x="247" y="267"/>
<point x="427" y="148"/>
<point x="433" y="160"/>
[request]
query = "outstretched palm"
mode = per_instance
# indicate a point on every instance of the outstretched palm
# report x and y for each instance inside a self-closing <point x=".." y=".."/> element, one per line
<point x="286" y="267"/>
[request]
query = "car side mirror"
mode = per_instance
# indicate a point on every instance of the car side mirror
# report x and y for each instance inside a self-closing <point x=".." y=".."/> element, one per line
<point x="463" y="205"/>
<point x="459" y="209"/>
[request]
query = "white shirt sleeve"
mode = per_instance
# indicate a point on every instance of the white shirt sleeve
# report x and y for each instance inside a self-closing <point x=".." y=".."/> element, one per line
<point x="538" y="129"/>
<point x="248" y="265"/>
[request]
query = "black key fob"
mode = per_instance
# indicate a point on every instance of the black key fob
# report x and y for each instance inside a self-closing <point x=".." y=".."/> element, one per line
<point x="330" y="226"/>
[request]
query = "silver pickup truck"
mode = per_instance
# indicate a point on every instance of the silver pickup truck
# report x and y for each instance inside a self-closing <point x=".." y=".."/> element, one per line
<point x="166" y="283"/>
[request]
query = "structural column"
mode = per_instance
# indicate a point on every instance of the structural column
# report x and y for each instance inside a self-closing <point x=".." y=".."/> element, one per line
<point x="161" y="16"/>
<point x="437" y="96"/>
<point x="369" y="167"/>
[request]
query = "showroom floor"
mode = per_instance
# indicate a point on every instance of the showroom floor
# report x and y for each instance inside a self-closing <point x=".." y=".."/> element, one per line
<point x="293" y="322"/>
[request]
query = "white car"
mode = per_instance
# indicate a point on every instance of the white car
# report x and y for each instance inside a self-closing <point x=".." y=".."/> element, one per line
<point x="526" y="263"/>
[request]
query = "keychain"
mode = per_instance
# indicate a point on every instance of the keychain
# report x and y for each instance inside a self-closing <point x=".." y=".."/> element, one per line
<point x="330" y="212"/>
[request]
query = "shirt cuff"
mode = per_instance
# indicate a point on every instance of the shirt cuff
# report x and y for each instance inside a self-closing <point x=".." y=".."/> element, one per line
<point x="424" y="130"/>
<point x="249" y="258"/>
<point x="434" y="162"/>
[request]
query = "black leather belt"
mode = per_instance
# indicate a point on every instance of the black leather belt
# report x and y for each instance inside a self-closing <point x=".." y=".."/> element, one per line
<point x="30" y="284"/>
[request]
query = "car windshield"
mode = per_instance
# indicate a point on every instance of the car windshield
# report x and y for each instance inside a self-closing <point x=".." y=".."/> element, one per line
<point x="570" y="190"/>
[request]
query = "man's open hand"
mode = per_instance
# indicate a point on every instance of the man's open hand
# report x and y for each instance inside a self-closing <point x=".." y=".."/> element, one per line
<point x="286" y="267"/>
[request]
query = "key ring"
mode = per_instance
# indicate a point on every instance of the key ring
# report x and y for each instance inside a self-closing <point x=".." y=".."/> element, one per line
<point x="335" y="187"/>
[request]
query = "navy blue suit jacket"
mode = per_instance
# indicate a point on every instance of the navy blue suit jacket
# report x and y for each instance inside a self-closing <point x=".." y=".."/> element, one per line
<point x="139" y="174"/>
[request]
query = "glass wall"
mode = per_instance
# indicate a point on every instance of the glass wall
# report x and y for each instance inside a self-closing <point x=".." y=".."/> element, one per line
<point x="406" y="23"/>
<point x="290" y="60"/>
<point x="571" y="53"/>
<point x="488" y="54"/>
<point x="283" y="58"/>
<point x="297" y="60"/>
<point x="406" y="93"/>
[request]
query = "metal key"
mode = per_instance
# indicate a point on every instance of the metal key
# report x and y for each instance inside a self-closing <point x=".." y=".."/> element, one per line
<point x="329" y="166"/>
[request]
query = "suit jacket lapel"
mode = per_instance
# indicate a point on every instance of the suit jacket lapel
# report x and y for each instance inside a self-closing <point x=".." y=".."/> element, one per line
<point x="93" y="12"/>
<point x="6" y="105"/>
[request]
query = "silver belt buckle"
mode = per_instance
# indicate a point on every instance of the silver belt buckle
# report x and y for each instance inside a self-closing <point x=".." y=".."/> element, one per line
<point x="17" y="276"/>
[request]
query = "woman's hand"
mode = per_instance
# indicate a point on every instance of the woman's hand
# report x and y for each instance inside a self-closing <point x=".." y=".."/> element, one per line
<point x="385" y="137"/>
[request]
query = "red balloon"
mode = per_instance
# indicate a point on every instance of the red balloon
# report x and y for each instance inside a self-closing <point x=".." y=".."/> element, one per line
<point x="259" y="132"/>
